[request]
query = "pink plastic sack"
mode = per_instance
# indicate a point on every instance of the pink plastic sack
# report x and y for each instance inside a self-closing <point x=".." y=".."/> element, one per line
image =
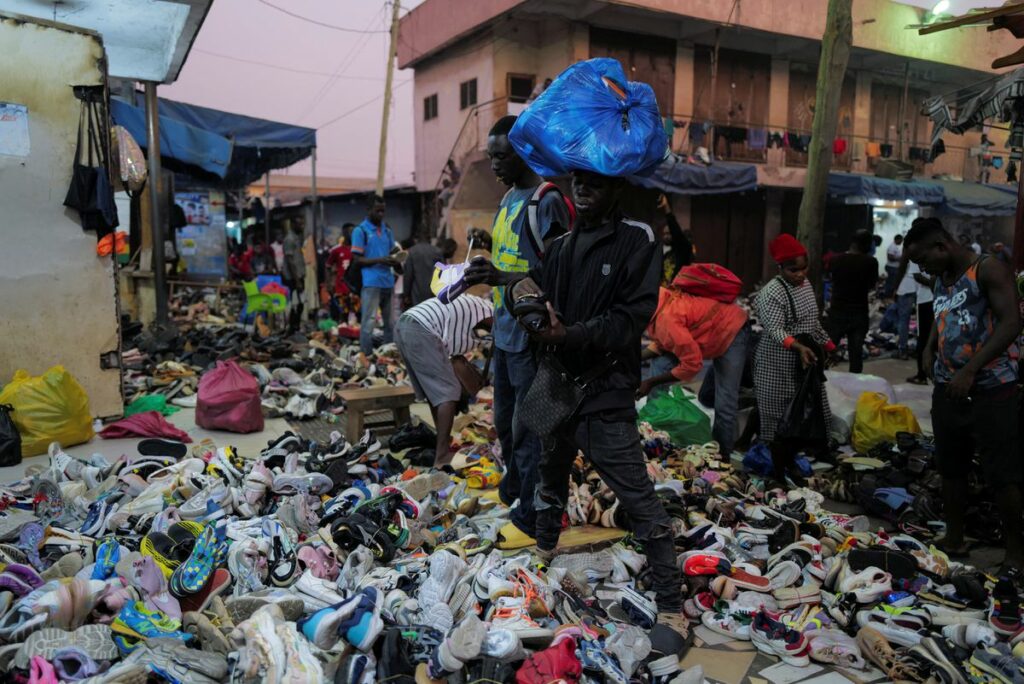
<point x="229" y="399"/>
<point x="145" y="424"/>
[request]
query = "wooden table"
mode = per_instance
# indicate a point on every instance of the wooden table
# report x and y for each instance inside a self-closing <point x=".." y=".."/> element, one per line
<point x="368" y="399"/>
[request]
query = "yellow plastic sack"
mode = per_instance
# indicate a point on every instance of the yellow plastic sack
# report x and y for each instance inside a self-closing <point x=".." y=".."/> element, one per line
<point x="877" y="421"/>
<point x="51" y="407"/>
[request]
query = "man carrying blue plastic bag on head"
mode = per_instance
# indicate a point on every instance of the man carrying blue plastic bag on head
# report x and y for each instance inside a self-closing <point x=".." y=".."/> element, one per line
<point x="586" y="306"/>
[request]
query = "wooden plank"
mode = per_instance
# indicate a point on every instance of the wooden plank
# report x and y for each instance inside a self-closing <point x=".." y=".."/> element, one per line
<point x="973" y="18"/>
<point x="376" y="392"/>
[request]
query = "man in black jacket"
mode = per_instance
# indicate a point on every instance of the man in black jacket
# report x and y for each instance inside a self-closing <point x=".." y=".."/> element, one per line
<point x="601" y="284"/>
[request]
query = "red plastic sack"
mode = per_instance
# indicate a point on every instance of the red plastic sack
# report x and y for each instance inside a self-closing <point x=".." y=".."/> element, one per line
<point x="709" y="280"/>
<point x="145" y="424"/>
<point x="229" y="399"/>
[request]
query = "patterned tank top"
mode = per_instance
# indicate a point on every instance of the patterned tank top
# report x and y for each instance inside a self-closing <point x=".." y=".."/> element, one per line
<point x="963" y="323"/>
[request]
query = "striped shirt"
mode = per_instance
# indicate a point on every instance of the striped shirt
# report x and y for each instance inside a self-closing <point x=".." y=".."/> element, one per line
<point x="454" y="322"/>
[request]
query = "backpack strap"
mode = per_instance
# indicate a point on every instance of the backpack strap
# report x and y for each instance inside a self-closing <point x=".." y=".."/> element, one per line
<point x="532" y="220"/>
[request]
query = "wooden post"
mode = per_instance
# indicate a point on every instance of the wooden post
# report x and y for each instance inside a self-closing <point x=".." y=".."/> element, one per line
<point x="392" y="51"/>
<point x="835" y="53"/>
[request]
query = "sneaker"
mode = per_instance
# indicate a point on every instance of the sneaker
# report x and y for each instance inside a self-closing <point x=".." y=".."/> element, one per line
<point x="512" y="613"/>
<point x="1005" y="612"/>
<point x="641" y="609"/>
<point x="138" y="622"/>
<point x="970" y="636"/>
<point x="888" y="627"/>
<point x="595" y="660"/>
<point x="630" y="645"/>
<point x="769" y="635"/>
<point x="363" y="624"/>
<point x="833" y="647"/>
<point x="411" y="436"/>
<point x="209" y="552"/>
<point x="726" y="623"/>
<point x="93" y="640"/>
<point x="241" y="608"/>
<point x="677" y="622"/>
<point x="462" y="645"/>
<point x="998" y="662"/>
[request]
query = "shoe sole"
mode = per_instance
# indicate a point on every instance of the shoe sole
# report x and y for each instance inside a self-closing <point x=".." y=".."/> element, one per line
<point x="95" y="640"/>
<point x="767" y="648"/>
<point x="241" y="609"/>
<point x="162" y="447"/>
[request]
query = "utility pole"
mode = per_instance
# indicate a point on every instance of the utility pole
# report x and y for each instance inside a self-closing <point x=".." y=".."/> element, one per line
<point x="381" y="159"/>
<point x="835" y="53"/>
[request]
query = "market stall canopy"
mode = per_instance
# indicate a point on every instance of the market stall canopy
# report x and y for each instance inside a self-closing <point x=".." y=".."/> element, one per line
<point x="255" y="145"/>
<point x="873" y="187"/>
<point x="676" y="175"/>
<point x="145" y="40"/>
<point x="976" y="199"/>
<point x="178" y="141"/>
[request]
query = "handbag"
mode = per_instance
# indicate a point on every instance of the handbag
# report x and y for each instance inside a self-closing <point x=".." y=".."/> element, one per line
<point x="470" y="377"/>
<point x="555" y="395"/>
<point x="353" y="276"/>
<point x="10" y="438"/>
<point x="90" y="192"/>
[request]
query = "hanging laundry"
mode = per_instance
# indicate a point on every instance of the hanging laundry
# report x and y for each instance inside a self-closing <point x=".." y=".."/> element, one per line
<point x="1011" y="172"/>
<point x="776" y="140"/>
<point x="886" y="150"/>
<point x="873" y="149"/>
<point x="697" y="131"/>
<point x="757" y="139"/>
<point x="838" y="146"/>
<point x="997" y="162"/>
<point x="938" y="148"/>
<point x="917" y="154"/>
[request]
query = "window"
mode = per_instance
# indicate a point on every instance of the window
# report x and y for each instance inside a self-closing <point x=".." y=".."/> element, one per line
<point x="430" y="107"/>
<point x="520" y="86"/>
<point x="467" y="93"/>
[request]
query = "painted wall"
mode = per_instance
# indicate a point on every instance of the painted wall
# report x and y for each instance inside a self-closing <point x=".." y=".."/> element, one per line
<point x="58" y="304"/>
<point x="877" y="25"/>
<point x="435" y="138"/>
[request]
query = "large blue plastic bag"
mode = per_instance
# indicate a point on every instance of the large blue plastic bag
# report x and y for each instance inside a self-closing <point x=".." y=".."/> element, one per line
<point x="592" y="119"/>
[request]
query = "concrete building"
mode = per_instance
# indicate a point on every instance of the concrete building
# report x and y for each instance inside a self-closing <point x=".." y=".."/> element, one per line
<point x="747" y="69"/>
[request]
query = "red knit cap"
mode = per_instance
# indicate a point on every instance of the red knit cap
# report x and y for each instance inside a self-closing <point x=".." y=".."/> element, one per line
<point x="786" y="247"/>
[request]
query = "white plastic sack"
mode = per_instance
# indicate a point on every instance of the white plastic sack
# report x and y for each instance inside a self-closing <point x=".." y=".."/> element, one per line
<point x="844" y="389"/>
<point x="919" y="399"/>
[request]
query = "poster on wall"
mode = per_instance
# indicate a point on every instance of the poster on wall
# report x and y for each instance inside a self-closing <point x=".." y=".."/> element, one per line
<point x="14" y="140"/>
<point x="202" y="242"/>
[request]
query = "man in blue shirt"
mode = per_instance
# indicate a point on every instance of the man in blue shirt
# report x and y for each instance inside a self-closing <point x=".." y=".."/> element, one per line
<point x="372" y="243"/>
<point x="515" y="250"/>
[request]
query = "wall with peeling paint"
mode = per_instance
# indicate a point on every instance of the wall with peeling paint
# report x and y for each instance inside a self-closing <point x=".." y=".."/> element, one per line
<point x="57" y="298"/>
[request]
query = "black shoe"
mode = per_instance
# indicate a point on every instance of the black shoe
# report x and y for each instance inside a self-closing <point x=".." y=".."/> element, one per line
<point x="411" y="436"/>
<point x="157" y="446"/>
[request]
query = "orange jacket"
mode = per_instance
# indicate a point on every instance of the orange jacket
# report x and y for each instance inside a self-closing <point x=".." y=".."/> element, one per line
<point x="693" y="329"/>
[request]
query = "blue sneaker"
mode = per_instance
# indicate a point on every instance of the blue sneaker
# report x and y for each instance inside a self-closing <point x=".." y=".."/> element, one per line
<point x="107" y="555"/>
<point x="362" y="627"/>
<point x="321" y="627"/>
<point x="209" y="552"/>
<point x="136" y="621"/>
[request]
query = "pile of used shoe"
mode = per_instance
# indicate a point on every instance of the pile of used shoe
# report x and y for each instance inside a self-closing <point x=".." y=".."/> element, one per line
<point x="356" y="563"/>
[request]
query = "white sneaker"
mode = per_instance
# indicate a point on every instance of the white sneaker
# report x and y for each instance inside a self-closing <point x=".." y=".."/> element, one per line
<point x="445" y="571"/>
<point x="511" y="613"/>
<point x="357" y="564"/>
<point x="632" y="560"/>
<point x="320" y="589"/>
<point x="195" y="507"/>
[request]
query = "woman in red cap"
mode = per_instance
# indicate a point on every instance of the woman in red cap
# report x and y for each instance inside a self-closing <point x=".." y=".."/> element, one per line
<point x="792" y="340"/>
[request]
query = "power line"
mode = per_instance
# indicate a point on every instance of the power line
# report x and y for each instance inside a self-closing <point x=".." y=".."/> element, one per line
<point x="314" y="21"/>
<point x="289" y="69"/>
<point x="360" y="106"/>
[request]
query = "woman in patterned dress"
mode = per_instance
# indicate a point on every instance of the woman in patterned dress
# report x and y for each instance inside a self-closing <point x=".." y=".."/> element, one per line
<point x="786" y="307"/>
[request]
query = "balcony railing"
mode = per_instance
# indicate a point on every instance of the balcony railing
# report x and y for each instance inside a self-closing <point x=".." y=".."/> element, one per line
<point x="730" y="141"/>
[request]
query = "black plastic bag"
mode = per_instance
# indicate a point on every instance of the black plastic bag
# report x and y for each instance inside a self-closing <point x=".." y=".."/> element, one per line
<point x="803" y="422"/>
<point x="90" y="192"/>
<point x="10" y="438"/>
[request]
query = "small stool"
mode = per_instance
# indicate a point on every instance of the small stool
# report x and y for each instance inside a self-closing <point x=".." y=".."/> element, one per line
<point x="359" y="401"/>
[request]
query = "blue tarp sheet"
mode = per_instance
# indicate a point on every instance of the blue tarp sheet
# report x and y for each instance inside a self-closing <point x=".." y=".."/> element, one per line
<point x="255" y="145"/>
<point x="855" y="185"/>
<point x="677" y="176"/>
<point x="189" y="145"/>
<point x="977" y="199"/>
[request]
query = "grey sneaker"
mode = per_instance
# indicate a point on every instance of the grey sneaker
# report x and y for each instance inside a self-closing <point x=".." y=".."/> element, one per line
<point x="95" y="640"/>
<point x="180" y="664"/>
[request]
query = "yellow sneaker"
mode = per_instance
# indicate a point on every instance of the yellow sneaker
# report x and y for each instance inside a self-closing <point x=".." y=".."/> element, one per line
<point x="511" y="537"/>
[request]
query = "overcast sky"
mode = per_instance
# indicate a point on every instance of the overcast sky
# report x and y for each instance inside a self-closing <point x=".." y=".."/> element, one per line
<point x="227" y="70"/>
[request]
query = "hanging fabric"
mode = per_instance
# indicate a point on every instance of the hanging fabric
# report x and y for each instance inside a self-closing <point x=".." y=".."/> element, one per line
<point x="90" y="192"/>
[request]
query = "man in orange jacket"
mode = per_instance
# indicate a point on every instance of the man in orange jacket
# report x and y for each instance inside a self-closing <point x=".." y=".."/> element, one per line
<point x="687" y="329"/>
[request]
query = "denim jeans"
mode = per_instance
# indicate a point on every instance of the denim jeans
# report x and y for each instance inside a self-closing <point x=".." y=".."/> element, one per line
<point x="905" y="304"/>
<point x="728" y="377"/>
<point x="520" y="448"/>
<point x="373" y="298"/>
<point x="854" y="327"/>
<point x="612" y="445"/>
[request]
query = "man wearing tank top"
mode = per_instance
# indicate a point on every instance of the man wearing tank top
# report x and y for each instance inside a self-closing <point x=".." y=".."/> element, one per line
<point x="972" y="354"/>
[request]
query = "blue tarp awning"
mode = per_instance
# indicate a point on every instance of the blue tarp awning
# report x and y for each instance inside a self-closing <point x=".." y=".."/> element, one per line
<point x="977" y="199"/>
<point x="187" y="144"/>
<point x="254" y="146"/>
<point x="678" y="176"/>
<point x="856" y="185"/>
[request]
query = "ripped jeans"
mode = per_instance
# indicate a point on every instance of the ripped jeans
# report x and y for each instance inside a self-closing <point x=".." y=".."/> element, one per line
<point x="612" y="445"/>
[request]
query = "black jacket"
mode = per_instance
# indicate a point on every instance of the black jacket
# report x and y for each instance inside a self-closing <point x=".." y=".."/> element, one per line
<point x="605" y="306"/>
